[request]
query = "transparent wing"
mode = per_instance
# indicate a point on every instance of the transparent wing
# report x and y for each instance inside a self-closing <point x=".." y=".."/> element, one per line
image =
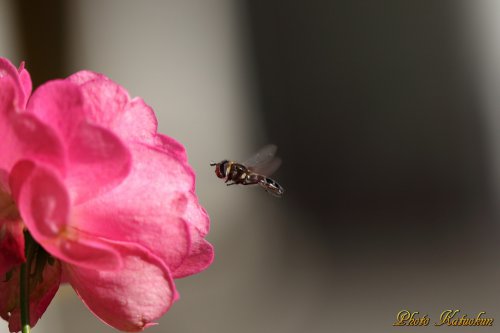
<point x="268" y="168"/>
<point x="264" y="161"/>
<point x="264" y="155"/>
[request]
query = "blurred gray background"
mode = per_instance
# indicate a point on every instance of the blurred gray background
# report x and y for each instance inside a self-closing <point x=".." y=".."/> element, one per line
<point x="387" y="116"/>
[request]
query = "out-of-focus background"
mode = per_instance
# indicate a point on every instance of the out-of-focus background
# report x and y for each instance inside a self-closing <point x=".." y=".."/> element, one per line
<point x="387" y="116"/>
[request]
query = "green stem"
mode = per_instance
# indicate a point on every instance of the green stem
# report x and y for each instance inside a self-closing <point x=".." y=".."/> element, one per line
<point x="24" y="285"/>
<point x="25" y="301"/>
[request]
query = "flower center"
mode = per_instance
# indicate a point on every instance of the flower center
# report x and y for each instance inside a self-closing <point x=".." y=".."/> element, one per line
<point x="36" y="256"/>
<point x="37" y="259"/>
<point x="8" y="209"/>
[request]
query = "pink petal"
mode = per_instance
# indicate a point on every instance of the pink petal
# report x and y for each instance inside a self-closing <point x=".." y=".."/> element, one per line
<point x="196" y="215"/>
<point x="137" y="123"/>
<point x="201" y="253"/>
<point x="20" y="172"/>
<point x="131" y="120"/>
<point x="23" y="135"/>
<point x="44" y="204"/>
<point x="171" y="146"/>
<point x="42" y="199"/>
<point x="60" y="104"/>
<point x="8" y="71"/>
<point x="147" y="208"/>
<point x="9" y="93"/>
<point x="98" y="161"/>
<point x="200" y="257"/>
<point x="131" y="300"/>
<point x="106" y="100"/>
<point x="40" y="296"/>
<point x="84" y="76"/>
<point x="97" y="158"/>
<point x="11" y="245"/>
<point x="25" y="80"/>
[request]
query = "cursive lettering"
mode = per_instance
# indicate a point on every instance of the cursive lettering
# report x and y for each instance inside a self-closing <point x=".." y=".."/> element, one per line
<point x="452" y="318"/>
<point x="407" y="318"/>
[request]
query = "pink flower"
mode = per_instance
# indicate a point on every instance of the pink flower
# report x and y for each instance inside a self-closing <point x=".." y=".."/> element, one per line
<point x="110" y="201"/>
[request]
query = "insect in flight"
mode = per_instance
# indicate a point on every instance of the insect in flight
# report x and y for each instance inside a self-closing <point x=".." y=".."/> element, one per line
<point x="253" y="171"/>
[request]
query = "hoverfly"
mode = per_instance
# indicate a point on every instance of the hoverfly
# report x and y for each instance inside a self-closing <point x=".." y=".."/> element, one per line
<point x="253" y="171"/>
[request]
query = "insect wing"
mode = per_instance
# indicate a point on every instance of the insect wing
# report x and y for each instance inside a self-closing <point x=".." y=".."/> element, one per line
<point x="267" y="168"/>
<point x="265" y="154"/>
<point x="264" y="161"/>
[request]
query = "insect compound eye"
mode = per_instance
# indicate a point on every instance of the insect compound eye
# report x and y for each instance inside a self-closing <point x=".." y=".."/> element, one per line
<point x="220" y="169"/>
